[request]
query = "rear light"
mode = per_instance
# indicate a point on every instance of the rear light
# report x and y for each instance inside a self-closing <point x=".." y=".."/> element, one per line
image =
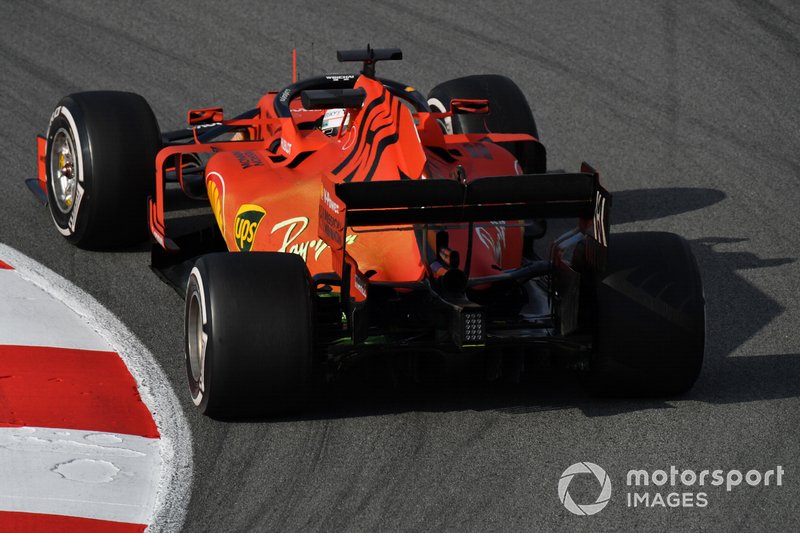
<point x="473" y="327"/>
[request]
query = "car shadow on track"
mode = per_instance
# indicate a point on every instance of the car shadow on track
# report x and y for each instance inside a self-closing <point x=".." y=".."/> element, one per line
<point x="736" y="311"/>
<point x="650" y="204"/>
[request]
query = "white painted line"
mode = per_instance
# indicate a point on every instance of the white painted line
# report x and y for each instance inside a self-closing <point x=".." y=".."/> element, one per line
<point x="79" y="473"/>
<point x="175" y="448"/>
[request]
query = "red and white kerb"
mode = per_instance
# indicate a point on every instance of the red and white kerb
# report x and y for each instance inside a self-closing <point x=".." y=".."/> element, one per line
<point x="79" y="450"/>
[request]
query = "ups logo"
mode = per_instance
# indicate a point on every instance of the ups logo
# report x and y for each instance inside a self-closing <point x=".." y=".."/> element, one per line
<point x="247" y="220"/>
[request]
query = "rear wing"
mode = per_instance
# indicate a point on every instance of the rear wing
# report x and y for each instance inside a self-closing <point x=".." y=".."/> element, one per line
<point x="524" y="196"/>
<point x="450" y="201"/>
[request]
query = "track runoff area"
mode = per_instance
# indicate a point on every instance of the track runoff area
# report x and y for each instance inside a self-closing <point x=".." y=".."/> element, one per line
<point x="80" y="446"/>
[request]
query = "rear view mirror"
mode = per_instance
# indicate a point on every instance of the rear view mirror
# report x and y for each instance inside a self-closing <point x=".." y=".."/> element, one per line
<point x="461" y="106"/>
<point x="208" y="115"/>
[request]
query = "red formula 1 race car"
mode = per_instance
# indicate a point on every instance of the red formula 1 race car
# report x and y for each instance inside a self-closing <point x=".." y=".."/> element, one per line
<point x="347" y="215"/>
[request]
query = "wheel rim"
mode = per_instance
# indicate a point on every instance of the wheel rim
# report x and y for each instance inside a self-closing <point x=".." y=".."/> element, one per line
<point x="63" y="170"/>
<point x="196" y="339"/>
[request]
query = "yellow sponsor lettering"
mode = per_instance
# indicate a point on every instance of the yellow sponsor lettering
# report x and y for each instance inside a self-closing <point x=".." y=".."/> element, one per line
<point x="215" y="199"/>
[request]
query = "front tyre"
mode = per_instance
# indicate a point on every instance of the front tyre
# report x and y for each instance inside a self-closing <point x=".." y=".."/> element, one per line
<point x="100" y="162"/>
<point x="509" y="112"/>
<point x="249" y="334"/>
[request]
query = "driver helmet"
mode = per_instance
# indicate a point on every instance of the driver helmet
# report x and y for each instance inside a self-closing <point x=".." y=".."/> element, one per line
<point x="332" y="121"/>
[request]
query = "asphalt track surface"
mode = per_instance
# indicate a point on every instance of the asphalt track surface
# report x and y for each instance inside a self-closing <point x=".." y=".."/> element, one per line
<point x="690" y="111"/>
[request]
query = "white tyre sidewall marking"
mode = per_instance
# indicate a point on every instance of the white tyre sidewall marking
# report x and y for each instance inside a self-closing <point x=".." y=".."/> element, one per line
<point x="175" y="479"/>
<point x="448" y="122"/>
<point x="73" y="218"/>
<point x="201" y="383"/>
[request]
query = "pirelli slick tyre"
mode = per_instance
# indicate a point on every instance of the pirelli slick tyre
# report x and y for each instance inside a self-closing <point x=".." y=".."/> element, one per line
<point x="249" y="334"/>
<point x="509" y="112"/>
<point x="650" y="328"/>
<point x="100" y="163"/>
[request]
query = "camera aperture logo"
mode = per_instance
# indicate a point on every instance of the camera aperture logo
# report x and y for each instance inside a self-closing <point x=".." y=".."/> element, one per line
<point x="683" y="487"/>
<point x="589" y="508"/>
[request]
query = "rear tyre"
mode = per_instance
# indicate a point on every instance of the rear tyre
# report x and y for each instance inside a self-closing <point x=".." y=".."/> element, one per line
<point x="100" y="161"/>
<point x="509" y="112"/>
<point x="249" y="334"/>
<point x="650" y="328"/>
